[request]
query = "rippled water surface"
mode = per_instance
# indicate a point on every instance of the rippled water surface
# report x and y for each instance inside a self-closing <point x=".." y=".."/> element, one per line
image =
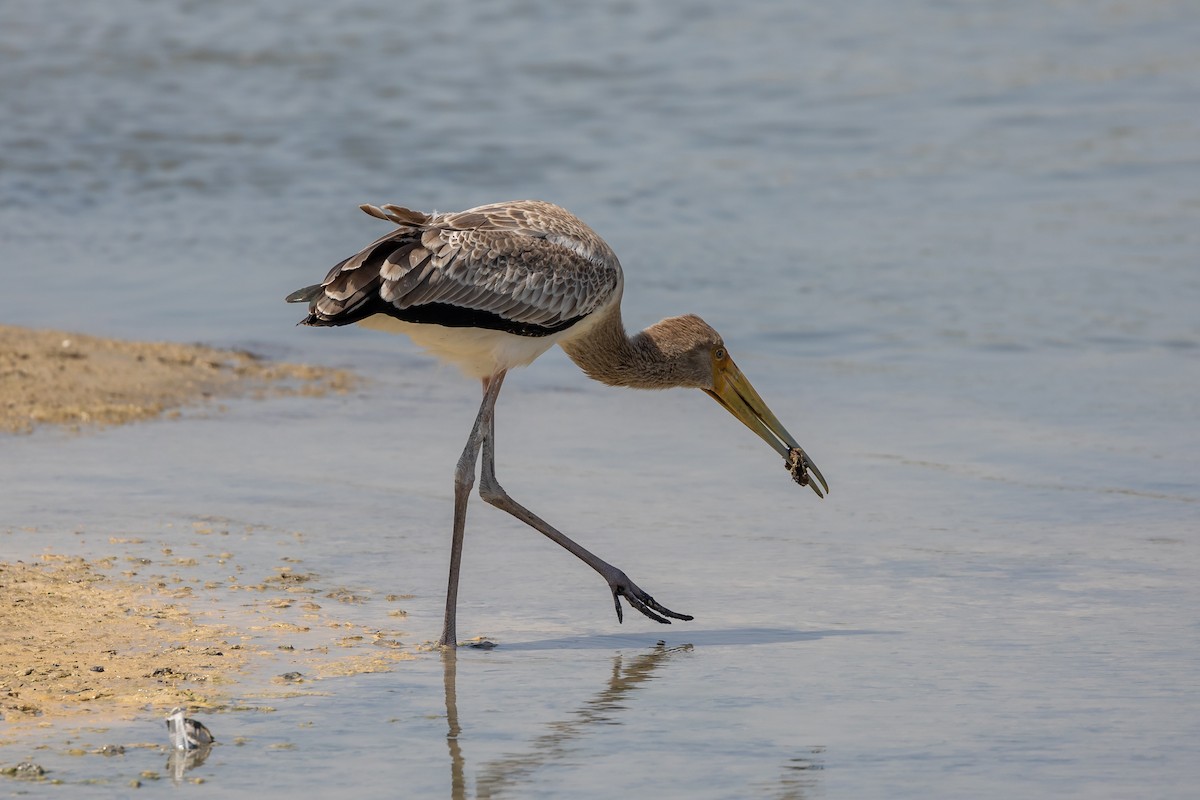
<point x="954" y="245"/>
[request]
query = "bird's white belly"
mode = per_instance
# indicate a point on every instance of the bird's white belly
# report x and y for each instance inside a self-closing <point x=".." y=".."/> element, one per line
<point x="478" y="352"/>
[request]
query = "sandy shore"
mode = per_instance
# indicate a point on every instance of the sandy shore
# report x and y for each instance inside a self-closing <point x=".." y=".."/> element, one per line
<point x="72" y="638"/>
<point x="144" y="630"/>
<point x="69" y="379"/>
<point x="81" y="638"/>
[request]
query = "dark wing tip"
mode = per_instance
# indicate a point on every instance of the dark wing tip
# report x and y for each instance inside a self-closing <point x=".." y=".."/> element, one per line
<point x="304" y="295"/>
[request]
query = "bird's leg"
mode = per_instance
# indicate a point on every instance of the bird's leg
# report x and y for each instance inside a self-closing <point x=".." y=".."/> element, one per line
<point x="620" y="584"/>
<point x="464" y="480"/>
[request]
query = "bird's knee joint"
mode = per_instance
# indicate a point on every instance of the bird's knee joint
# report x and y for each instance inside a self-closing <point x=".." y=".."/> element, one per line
<point x="463" y="481"/>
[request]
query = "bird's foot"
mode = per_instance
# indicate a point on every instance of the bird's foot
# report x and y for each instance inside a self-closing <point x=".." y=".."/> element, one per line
<point x="623" y="587"/>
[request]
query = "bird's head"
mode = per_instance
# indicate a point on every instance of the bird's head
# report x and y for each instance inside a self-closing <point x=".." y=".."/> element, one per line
<point x="706" y="364"/>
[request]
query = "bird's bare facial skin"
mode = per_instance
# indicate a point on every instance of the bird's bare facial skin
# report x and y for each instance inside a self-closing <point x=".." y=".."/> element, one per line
<point x="733" y="391"/>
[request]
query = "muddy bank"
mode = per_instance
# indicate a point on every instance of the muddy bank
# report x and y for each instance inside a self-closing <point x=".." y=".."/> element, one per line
<point x="69" y="379"/>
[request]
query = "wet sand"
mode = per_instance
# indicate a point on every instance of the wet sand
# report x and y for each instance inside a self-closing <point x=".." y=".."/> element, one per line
<point x="120" y="635"/>
<point x="74" y="639"/>
<point x="67" y="379"/>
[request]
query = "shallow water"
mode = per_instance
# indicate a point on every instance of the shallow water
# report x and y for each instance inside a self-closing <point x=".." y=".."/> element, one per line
<point x="954" y="247"/>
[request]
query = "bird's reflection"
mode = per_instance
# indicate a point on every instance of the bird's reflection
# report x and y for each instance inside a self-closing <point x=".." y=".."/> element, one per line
<point x="458" y="786"/>
<point x="496" y="776"/>
<point x="180" y="761"/>
<point x="800" y="774"/>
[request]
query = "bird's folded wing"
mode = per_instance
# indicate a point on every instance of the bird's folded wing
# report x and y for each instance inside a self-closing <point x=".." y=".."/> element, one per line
<point x="472" y="261"/>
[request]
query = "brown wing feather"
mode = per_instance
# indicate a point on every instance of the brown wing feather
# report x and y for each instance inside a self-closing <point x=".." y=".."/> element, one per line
<point x="528" y="263"/>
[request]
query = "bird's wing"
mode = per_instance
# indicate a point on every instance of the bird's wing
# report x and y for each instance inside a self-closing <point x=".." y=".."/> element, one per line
<point x="529" y="268"/>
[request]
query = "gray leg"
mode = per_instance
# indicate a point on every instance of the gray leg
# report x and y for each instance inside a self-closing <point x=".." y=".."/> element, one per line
<point x="464" y="480"/>
<point x="620" y="584"/>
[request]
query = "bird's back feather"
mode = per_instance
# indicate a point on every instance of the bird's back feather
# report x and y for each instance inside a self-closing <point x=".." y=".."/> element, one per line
<point x="525" y="267"/>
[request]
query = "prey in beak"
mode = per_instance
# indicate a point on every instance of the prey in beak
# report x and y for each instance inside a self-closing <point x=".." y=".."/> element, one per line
<point x="733" y="391"/>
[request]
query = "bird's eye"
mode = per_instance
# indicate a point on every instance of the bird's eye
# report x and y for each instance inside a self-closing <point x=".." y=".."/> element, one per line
<point x="719" y="354"/>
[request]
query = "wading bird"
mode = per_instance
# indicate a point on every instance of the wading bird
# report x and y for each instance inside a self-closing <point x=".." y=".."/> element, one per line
<point x="494" y="287"/>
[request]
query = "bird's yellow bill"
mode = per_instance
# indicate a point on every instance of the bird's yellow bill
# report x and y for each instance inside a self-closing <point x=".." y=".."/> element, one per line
<point x="732" y="390"/>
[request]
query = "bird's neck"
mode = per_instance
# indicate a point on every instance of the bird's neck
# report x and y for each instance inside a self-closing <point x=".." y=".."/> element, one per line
<point x="608" y="354"/>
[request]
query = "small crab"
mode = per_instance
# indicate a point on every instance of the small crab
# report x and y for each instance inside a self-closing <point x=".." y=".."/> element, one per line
<point x="799" y="464"/>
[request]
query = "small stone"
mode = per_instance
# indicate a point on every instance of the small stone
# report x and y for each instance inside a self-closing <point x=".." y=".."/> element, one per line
<point x="25" y="771"/>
